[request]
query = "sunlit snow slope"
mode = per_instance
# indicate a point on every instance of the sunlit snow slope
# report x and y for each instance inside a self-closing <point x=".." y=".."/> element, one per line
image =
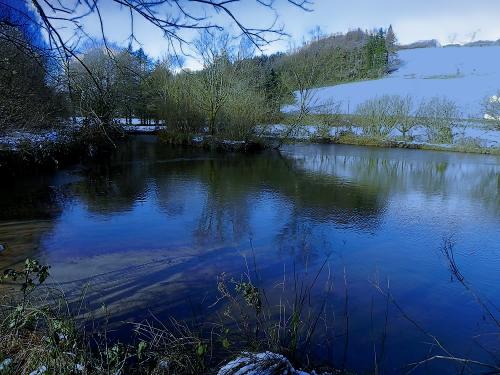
<point x="466" y="75"/>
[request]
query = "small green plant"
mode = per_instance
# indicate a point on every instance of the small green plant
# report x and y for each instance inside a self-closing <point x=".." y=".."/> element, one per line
<point x="32" y="275"/>
<point x="37" y="331"/>
<point x="250" y="294"/>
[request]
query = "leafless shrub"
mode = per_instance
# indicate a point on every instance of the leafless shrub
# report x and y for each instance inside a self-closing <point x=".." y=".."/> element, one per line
<point x="439" y="116"/>
<point x="172" y="102"/>
<point x="377" y="116"/>
<point x="224" y="91"/>
<point x="300" y="76"/>
<point x="404" y="111"/>
<point x="329" y="118"/>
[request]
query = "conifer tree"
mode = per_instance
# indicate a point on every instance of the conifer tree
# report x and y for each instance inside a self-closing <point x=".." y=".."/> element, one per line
<point x="390" y="43"/>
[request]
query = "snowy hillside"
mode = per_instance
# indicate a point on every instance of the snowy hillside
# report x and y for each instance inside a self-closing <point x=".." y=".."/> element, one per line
<point x="466" y="75"/>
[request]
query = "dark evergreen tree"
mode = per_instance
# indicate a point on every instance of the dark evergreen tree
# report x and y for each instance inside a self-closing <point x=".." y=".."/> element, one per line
<point x="390" y="40"/>
<point x="391" y="46"/>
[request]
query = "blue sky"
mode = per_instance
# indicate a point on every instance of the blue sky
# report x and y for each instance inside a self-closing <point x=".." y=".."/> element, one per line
<point x="412" y="20"/>
<point x="448" y="21"/>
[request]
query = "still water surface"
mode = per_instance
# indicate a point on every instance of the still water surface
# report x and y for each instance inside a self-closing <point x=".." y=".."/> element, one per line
<point x="150" y="231"/>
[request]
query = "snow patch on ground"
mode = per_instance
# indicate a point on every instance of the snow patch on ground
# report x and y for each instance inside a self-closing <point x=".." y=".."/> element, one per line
<point x="4" y="365"/>
<point x="14" y="139"/>
<point x="39" y="371"/>
<point x="198" y="139"/>
<point x="135" y="125"/>
<point x="142" y="128"/>
<point x="233" y="143"/>
<point x="134" y="121"/>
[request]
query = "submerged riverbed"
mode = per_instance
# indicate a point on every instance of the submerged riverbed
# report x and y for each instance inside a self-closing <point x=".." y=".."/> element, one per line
<point x="149" y="231"/>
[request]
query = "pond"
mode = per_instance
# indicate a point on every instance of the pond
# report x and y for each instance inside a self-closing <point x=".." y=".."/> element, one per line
<point x="149" y="231"/>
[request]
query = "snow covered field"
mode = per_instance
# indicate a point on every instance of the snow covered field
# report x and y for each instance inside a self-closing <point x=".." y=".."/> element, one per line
<point x="466" y="75"/>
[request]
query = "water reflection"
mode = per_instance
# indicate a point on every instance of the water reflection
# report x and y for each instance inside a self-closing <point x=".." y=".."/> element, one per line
<point x="474" y="177"/>
<point x="150" y="230"/>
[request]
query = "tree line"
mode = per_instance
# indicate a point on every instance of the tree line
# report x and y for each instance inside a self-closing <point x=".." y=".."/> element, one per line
<point x="232" y="94"/>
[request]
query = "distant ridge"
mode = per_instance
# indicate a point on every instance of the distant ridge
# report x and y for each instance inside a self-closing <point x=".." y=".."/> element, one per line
<point x="433" y="43"/>
<point x="351" y="40"/>
<point x="483" y="43"/>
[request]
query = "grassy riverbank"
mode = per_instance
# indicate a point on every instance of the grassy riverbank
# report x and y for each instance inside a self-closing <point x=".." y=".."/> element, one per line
<point x="468" y="147"/>
<point x="465" y="145"/>
<point x="378" y="129"/>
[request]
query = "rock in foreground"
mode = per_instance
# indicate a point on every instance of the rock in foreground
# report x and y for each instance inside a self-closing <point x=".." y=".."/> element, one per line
<point x="266" y="363"/>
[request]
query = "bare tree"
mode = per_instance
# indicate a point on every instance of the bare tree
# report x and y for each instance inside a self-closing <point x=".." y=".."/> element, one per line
<point x="213" y="83"/>
<point x="171" y="99"/>
<point x="403" y="108"/>
<point x="440" y="116"/>
<point x="316" y="34"/>
<point x="377" y="116"/>
<point x="158" y="88"/>
<point x="95" y="94"/>
<point x="300" y="77"/>
<point x="171" y="17"/>
<point x="224" y="90"/>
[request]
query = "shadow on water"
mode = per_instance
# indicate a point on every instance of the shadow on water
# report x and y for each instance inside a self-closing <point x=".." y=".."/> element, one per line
<point x="149" y="231"/>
